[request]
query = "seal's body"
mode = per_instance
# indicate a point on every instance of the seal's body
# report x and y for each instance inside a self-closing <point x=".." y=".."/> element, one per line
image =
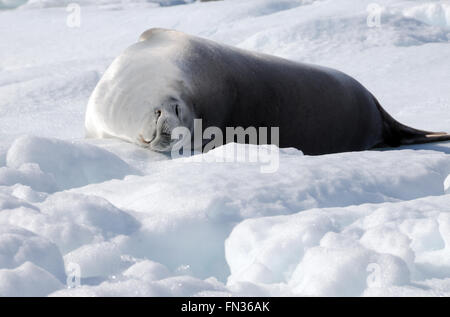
<point x="170" y="78"/>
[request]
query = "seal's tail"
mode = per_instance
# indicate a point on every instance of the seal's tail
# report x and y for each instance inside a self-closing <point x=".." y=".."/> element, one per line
<point x="396" y="134"/>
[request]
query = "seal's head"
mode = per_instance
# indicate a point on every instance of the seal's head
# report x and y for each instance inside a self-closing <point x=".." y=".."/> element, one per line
<point x="161" y="120"/>
<point x="142" y="97"/>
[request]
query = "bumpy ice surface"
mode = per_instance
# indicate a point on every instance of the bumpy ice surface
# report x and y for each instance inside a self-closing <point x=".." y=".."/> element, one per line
<point x="134" y="222"/>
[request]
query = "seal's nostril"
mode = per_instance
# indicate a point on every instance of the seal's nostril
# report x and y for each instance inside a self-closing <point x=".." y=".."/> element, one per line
<point x="158" y="114"/>
<point x="177" y="111"/>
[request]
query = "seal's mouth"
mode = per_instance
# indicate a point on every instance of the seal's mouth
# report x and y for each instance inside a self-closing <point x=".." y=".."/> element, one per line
<point x="144" y="141"/>
<point x="159" y="135"/>
<point x="161" y="142"/>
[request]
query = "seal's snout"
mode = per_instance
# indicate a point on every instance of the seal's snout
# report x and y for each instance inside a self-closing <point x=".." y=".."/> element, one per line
<point x="141" y="138"/>
<point x="145" y="141"/>
<point x="156" y="133"/>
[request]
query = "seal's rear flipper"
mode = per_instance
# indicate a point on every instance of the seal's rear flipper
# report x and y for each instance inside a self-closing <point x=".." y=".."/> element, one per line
<point x="428" y="138"/>
<point x="396" y="134"/>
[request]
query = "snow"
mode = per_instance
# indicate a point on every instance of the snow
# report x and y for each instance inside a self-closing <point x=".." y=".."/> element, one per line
<point x="136" y="223"/>
<point x="365" y="247"/>
<point x="19" y="246"/>
<point x="27" y="280"/>
<point x="69" y="165"/>
<point x="431" y="13"/>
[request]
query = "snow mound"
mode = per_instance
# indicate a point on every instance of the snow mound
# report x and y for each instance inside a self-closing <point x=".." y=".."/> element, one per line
<point x="330" y="34"/>
<point x="437" y="14"/>
<point x="27" y="280"/>
<point x="70" y="220"/>
<point x="187" y="209"/>
<point x="60" y="163"/>
<point x="18" y="246"/>
<point x="365" y="247"/>
<point x="147" y="271"/>
<point x="8" y="201"/>
<point x="28" y="174"/>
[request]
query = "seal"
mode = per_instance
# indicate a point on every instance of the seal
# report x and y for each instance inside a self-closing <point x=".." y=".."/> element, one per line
<point x="169" y="78"/>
